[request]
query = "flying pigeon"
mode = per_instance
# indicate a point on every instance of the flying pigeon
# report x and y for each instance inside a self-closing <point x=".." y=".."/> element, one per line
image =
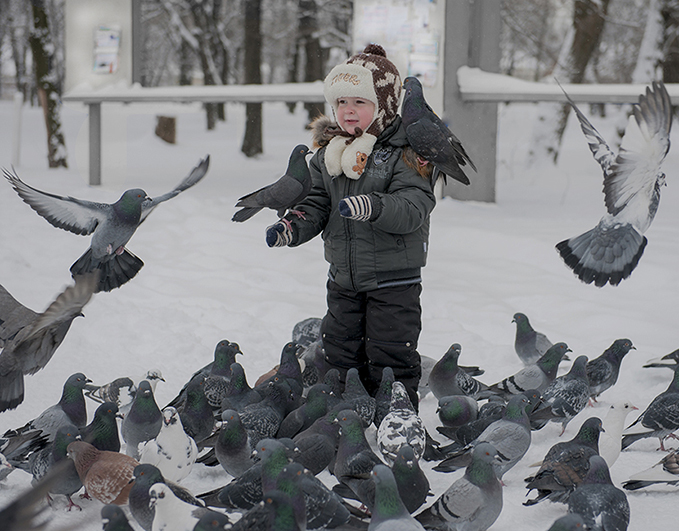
<point x="566" y="464"/>
<point x="121" y="391"/>
<point x="171" y="512"/>
<point x="446" y="378"/>
<point x="430" y="137"/>
<point x="145" y="476"/>
<point x="529" y="344"/>
<point x="402" y="425"/>
<point x="509" y="435"/>
<point x="603" y="371"/>
<point x="537" y="375"/>
<point x="111" y="225"/>
<point x="389" y="512"/>
<point x="106" y="475"/>
<point x="602" y="505"/>
<point x="609" y="252"/>
<point x="114" y="519"/>
<point x="664" y="472"/>
<point x="172" y="450"/>
<point x="669" y="361"/>
<point x="474" y="501"/>
<point x="29" y="339"/>
<point x="283" y="194"/>
<point x="233" y="448"/>
<point x="660" y="419"/>
<point x="144" y="420"/>
<point x="610" y="440"/>
<point x="70" y="409"/>
<point x="102" y="432"/>
<point x="564" y="398"/>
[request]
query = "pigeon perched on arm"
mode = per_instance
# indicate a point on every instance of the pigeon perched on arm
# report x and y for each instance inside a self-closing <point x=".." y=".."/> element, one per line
<point x="609" y="252"/>
<point x="111" y="225"/>
<point x="29" y="339"/>
<point x="529" y="344"/>
<point x="429" y="137"/>
<point x="283" y="194"/>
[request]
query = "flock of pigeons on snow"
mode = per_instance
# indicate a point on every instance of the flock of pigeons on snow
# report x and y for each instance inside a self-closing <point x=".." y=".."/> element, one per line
<point x="273" y="438"/>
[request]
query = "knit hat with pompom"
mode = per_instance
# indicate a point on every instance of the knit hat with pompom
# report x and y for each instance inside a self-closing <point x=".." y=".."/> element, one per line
<point x="371" y="76"/>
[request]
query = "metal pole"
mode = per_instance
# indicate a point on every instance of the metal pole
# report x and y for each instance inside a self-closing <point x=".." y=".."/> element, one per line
<point x="95" y="143"/>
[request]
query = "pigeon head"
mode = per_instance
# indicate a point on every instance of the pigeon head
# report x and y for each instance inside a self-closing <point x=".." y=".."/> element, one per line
<point x="170" y="416"/>
<point x="128" y="207"/>
<point x="400" y="398"/>
<point x="83" y="455"/>
<point x="620" y="348"/>
<point x="224" y="356"/>
<point x="157" y="494"/>
<point x="146" y="474"/>
<point x="65" y="435"/>
<point x="212" y="520"/>
<point x="113" y="517"/>
<point x="297" y="166"/>
<point x="589" y="432"/>
<point x="485" y="465"/>
<point x="598" y="472"/>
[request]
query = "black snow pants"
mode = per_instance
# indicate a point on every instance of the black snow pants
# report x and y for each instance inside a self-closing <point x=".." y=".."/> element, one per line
<point x="372" y="330"/>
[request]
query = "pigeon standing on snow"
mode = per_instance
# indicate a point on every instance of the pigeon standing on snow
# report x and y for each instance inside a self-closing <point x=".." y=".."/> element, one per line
<point x="446" y="378"/>
<point x="603" y="371"/>
<point x="429" y="137"/>
<point x="457" y="410"/>
<point x="402" y="425"/>
<point x="144" y="420"/>
<point x="239" y="393"/>
<point x="665" y="471"/>
<point x="412" y="482"/>
<point x="29" y="339"/>
<point x="304" y="416"/>
<point x="121" y="391"/>
<point x="172" y="450"/>
<point x="529" y="344"/>
<point x="474" y="501"/>
<point x="283" y="194"/>
<point x="609" y="252"/>
<point x="389" y="512"/>
<point x="660" y="419"/>
<point x="536" y="375"/>
<point x="602" y="505"/>
<point x="383" y="395"/>
<point x="570" y="522"/>
<point x="564" y="398"/>
<point x="111" y="225"/>
<point x="610" y="440"/>
<point x="318" y="443"/>
<point x="233" y="448"/>
<point x="195" y="411"/>
<point x="102" y="432"/>
<point x="357" y="398"/>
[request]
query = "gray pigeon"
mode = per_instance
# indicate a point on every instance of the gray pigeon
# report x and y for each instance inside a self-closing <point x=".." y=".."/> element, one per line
<point x="509" y="435"/>
<point x="70" y="409"/>
<point x="318" y="443"/>
<point x="566" y="464"/>
<point x="609" y="252"/>
<point x="402" y="425"/>
<point x="660" y="419"/>
<point x="473" y="502"/>
<point x="383" y="395"/>
<point x="315" y="406"/>
<point x="111" y="225"/>
<point x="234" y="449"/>
<point x="121" y="390"/>
<point x="446" y="378"/>
<point x="536" y="375"/>
<point x="430" y="137"/>
<point x="29" y="339"/>
<point x="389" y="513"/>
<point x="664" y="472"/>
<point x="357" y="398"/>
<point x="114" y="519"/>
<point x="143" y="422"/>
<point x="570" y="522"/>
<point x="16" y="449"/>
<point x="602" y="505"/>
<point x="411" y="480"/>
<point x="283" y="194"/>
<point x="529" y="344"/>
<point x="456" y="410"/>
<point x="564" y="398"/>
<point x="603" y="371"/>
<point x="239" y="393"/>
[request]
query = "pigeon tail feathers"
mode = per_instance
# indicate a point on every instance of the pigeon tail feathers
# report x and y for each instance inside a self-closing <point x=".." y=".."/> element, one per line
<point x="11" y="390"/>
<point x="116" y="271"/>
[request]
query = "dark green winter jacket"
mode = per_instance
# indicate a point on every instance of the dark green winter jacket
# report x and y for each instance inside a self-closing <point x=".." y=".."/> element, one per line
<point x="366" y="255"/>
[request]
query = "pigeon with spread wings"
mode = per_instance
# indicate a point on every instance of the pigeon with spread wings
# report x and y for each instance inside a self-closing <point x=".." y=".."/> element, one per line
<point x="111" y="225"/>
<point x="609" y="252"/>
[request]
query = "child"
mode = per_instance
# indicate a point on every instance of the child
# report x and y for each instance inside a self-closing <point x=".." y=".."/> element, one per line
<point x="371" y="201"/>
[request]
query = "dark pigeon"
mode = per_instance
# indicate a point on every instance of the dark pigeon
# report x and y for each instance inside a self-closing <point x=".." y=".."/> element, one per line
<point x="144" y="420"/>
<point x="412" y="482"/>
<point x="570" y="522"/>
<point x="602" y="505"/>
<point x="429" y="136"/>
<point x="566" y="464"/>
<point x="383" y="395"/>
<point x="457" y="410"/>
<point x="216" y="386"/>
<point x="113" y="519"/>
<point x="318" y="443"/>
<point x="564" y="398"/>
<point x="239" y="393"/>
<point x="263" y="419"/>
<point x="446" y="378"/>
<point x="29" y="339"/>
<point x="111" y="225"/>
<point x="304" y="416"/>
<point x="233" y="448"/>
<point x="283" y="194"/>
<point x="281" y="513"/>
<point x="102" y="432"/>
<point x="603" y="371"/>
<point x="195" y="411"/>
<point x="356" y="397"/>
<point x="529" y="344"/>
<point x="288" y="370"/>
<point x="389" y="511"/>
<point x="609" y="252"/>
<point x="660" y="419"/>
<point x="213" y="521"/>
<point x="536" y="375"/>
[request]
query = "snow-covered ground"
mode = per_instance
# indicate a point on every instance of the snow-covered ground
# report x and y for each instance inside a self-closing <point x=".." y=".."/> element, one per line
<point x="206" y="278"/>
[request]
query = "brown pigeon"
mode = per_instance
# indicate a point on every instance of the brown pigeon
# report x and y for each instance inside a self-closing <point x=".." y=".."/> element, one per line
<point x="106" y="475"/>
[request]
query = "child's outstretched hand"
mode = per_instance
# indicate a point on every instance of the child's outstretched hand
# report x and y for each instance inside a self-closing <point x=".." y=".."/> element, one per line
<point x="278" y="235"/>
<point x="359" y="207"/>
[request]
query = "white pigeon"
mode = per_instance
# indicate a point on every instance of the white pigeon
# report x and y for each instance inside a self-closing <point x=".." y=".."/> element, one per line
<point x="173" y="452"/>
<point x="609" y="252"/>
<point x="171" y="513"/>
<point x="610" y="440"/>
<point x="400" y="426"/>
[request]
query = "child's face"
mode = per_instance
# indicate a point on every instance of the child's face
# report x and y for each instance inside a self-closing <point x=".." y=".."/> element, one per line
<point x="353" y="113"/>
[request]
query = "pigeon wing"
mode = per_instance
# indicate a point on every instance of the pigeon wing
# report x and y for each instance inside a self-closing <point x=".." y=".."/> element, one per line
<point x="284" y="193"/>
<point x="68" y="213"/>
<point x="462" y="500"/>
<point x="194" y="176"/>
<point x="13" y="316"/>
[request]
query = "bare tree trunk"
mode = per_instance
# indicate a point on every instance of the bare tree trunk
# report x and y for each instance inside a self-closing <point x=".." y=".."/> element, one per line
<point x="252" y="140"/>
<point x="313" y="68"/>
<point x="43" y="48"/>
<point x="669" y="9"/>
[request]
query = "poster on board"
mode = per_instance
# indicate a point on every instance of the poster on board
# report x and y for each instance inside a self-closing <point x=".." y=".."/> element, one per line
<point x="106" y="49"/>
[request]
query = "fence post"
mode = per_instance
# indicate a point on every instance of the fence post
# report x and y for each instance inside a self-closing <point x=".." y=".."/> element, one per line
<point x="473" y="39"/>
